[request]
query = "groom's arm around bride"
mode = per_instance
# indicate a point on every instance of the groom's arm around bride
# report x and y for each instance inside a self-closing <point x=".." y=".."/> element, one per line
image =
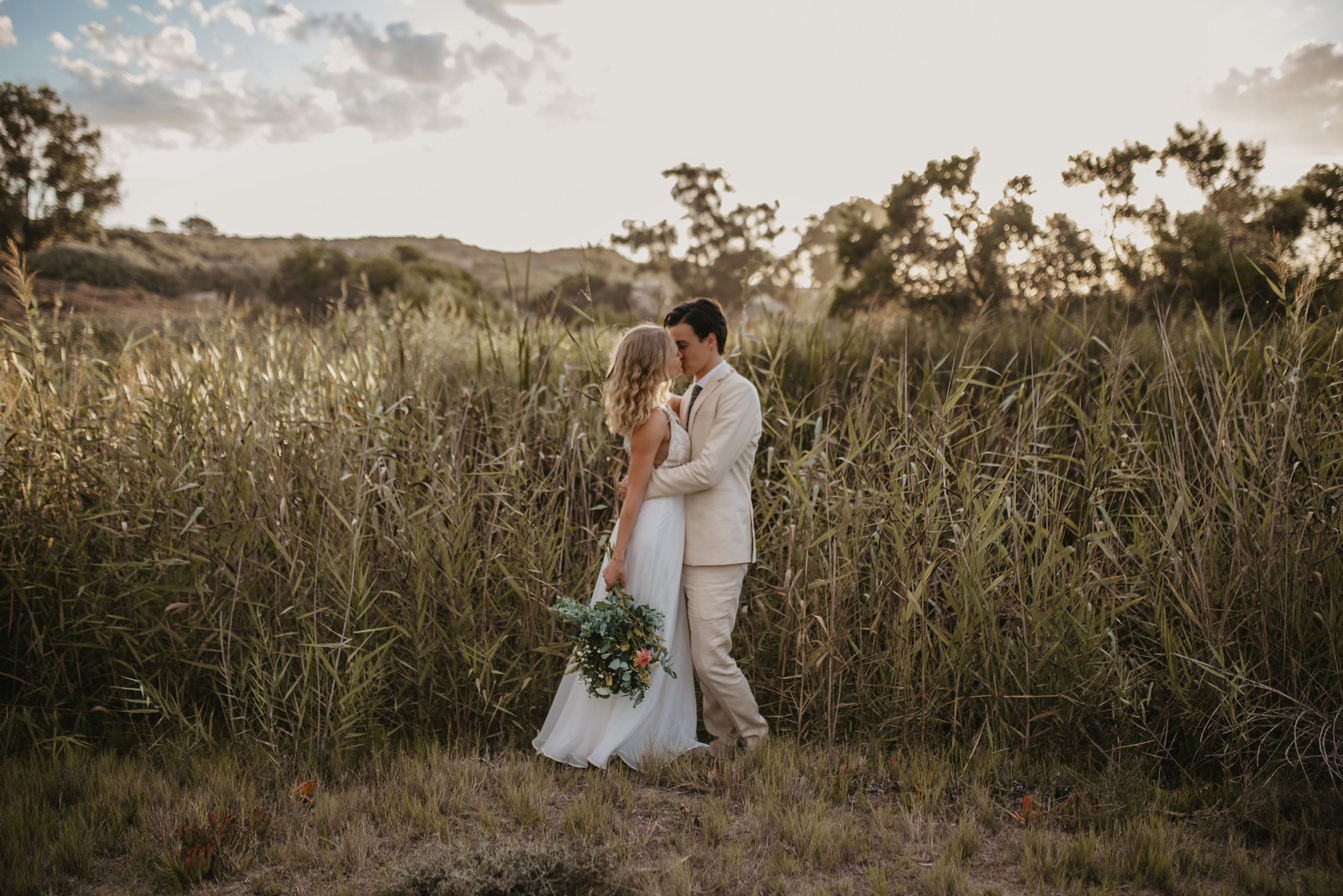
<point x="724" y="428"/>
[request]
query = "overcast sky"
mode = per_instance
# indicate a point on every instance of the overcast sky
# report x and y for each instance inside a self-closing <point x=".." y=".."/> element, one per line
<point x="545" y="123"/>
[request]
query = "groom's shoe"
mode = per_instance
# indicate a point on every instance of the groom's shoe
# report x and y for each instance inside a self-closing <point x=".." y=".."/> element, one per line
<point x="722" y="747"/>
<point x="754" y="743"/>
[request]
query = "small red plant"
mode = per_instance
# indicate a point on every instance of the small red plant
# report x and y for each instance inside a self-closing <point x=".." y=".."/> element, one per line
<point x="304" y="791"/>
<point x="204" y="848"/>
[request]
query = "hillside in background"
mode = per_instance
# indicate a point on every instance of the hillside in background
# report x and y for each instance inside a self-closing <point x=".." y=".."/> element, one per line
<point x="142" y="273"/>
<point x="486" y="265"/>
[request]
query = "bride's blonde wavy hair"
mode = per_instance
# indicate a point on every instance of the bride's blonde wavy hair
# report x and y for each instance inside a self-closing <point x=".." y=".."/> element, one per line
<point x="637" y="382"/>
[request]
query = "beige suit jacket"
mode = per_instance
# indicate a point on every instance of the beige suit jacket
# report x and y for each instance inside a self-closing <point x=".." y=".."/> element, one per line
<point x="724" y="431"/>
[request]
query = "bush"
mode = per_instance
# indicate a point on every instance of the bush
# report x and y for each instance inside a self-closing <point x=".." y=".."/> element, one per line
<point x="106" y="266"/>
<point x="593" y="295"/>
<point x="406" y="253"/>
<point x="379" y="275"/>
<point x="241" y="280"/>
<point x="309" y="277"/>
<point x="415" y="278"/>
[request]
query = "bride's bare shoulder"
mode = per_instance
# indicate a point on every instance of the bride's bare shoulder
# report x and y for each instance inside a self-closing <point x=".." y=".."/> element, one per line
<point x="652" y="431"/>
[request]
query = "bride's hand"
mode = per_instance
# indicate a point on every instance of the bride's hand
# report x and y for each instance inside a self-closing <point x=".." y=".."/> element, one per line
<point x="614" y="573"/>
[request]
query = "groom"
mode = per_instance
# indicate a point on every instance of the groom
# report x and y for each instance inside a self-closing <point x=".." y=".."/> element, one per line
<point x="721" y="411"/>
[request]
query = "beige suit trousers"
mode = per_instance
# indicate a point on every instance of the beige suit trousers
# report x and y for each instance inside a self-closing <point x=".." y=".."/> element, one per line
<point x="712" y="594"/>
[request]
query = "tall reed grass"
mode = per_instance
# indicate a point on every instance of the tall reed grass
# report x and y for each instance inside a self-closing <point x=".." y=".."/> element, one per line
<point x="1072" y="531"/>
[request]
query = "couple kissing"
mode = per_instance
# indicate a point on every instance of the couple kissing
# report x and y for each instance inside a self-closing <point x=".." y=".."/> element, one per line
<point x="682" y="542"/>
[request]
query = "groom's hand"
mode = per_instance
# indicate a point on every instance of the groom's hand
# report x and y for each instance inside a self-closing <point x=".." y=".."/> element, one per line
<point x="623" y="487"/>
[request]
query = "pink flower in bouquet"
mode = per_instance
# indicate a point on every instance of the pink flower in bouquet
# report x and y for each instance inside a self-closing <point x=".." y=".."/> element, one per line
<point x="642" y="657"/>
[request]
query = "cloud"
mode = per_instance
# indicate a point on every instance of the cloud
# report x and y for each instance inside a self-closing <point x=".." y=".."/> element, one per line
<point x="229" y="11"/>
<point x="242" y="18"/>
<point x="217" y="113"/>
<point x="1298" y="102"/>
<point x="7" y="38"/>
<point x="170" y="48"/>
<point x="97" y="4"/>
<point x="399" y="80"/>
<point x="283" y="24"/>
<point x="173" y="47"/>
<point x="141" y="82"/>
<point x="391" y="81"/>
<point x="155" y="18"/>
<point x="494" y="11"/>
<point x="401" y="52"/>
<point x="567" y="107"/>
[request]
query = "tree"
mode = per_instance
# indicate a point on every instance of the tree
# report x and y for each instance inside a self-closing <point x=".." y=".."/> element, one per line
<point x="907" y="256"/>
<point x="1212" y="256"/>
<point x="724" y="247"/>
<point x="815" y="252"/>
<point x="50" y="187"/>
<point x="1116" y="174"/>
<point x="198" y="226"/>
<point x="1063" y="264"/>
<point x="1212" y="253"/>
<point x="1321" y="190"/>
<point x="157" y="224"/>
<point x="1008" y="225"/>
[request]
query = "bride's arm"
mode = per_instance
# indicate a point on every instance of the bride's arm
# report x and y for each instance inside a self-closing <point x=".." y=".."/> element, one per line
<point x="644" y="443"/>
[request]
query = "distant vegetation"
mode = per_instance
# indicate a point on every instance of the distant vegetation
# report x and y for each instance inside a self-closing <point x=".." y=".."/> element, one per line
<point x="935" y="247"/>
<point x="314" y="276"/>
<point x="932" y="246"/>
<point x="162" y="263"/>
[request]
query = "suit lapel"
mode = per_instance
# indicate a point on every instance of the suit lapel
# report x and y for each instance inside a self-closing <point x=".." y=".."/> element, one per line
<point x="704" y="395"/>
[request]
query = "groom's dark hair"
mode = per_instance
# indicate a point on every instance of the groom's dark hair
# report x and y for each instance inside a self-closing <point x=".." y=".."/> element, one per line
<point x="704" y="316"/>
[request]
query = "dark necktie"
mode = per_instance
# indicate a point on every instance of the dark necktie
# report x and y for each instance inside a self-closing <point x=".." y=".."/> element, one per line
<point x="694" y="393"/>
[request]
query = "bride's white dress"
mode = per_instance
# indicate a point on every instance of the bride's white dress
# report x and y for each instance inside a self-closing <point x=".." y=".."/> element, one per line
<point x="581" y="730"/>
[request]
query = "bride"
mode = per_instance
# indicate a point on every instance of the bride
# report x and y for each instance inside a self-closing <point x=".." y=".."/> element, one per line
<point x="645" y="560"/>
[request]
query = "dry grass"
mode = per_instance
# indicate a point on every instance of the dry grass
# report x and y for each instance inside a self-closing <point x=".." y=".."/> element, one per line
<point x="787" y="819"/>
<point x="1068" y="532"/>
<point x="1077" y="535"/>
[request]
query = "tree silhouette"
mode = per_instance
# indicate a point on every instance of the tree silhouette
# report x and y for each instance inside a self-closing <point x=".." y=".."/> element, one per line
<point x="934" y="247"/>
<point x="1116" y="175"/>
<point x="724" y="247"/>
<point x="198" y="226"/>
<point x="1321" y="191"/>
<point x="49" y="183"/>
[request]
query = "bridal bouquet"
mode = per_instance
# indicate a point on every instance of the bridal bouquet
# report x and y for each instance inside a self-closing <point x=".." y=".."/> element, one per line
<point x="616" y="645"/>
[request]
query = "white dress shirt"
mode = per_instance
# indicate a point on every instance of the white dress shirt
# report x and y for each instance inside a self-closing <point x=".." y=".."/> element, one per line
<point x="704" y="380"/>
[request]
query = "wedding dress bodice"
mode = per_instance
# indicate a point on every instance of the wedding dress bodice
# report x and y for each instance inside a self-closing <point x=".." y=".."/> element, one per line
<point x="678" y="449"/>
